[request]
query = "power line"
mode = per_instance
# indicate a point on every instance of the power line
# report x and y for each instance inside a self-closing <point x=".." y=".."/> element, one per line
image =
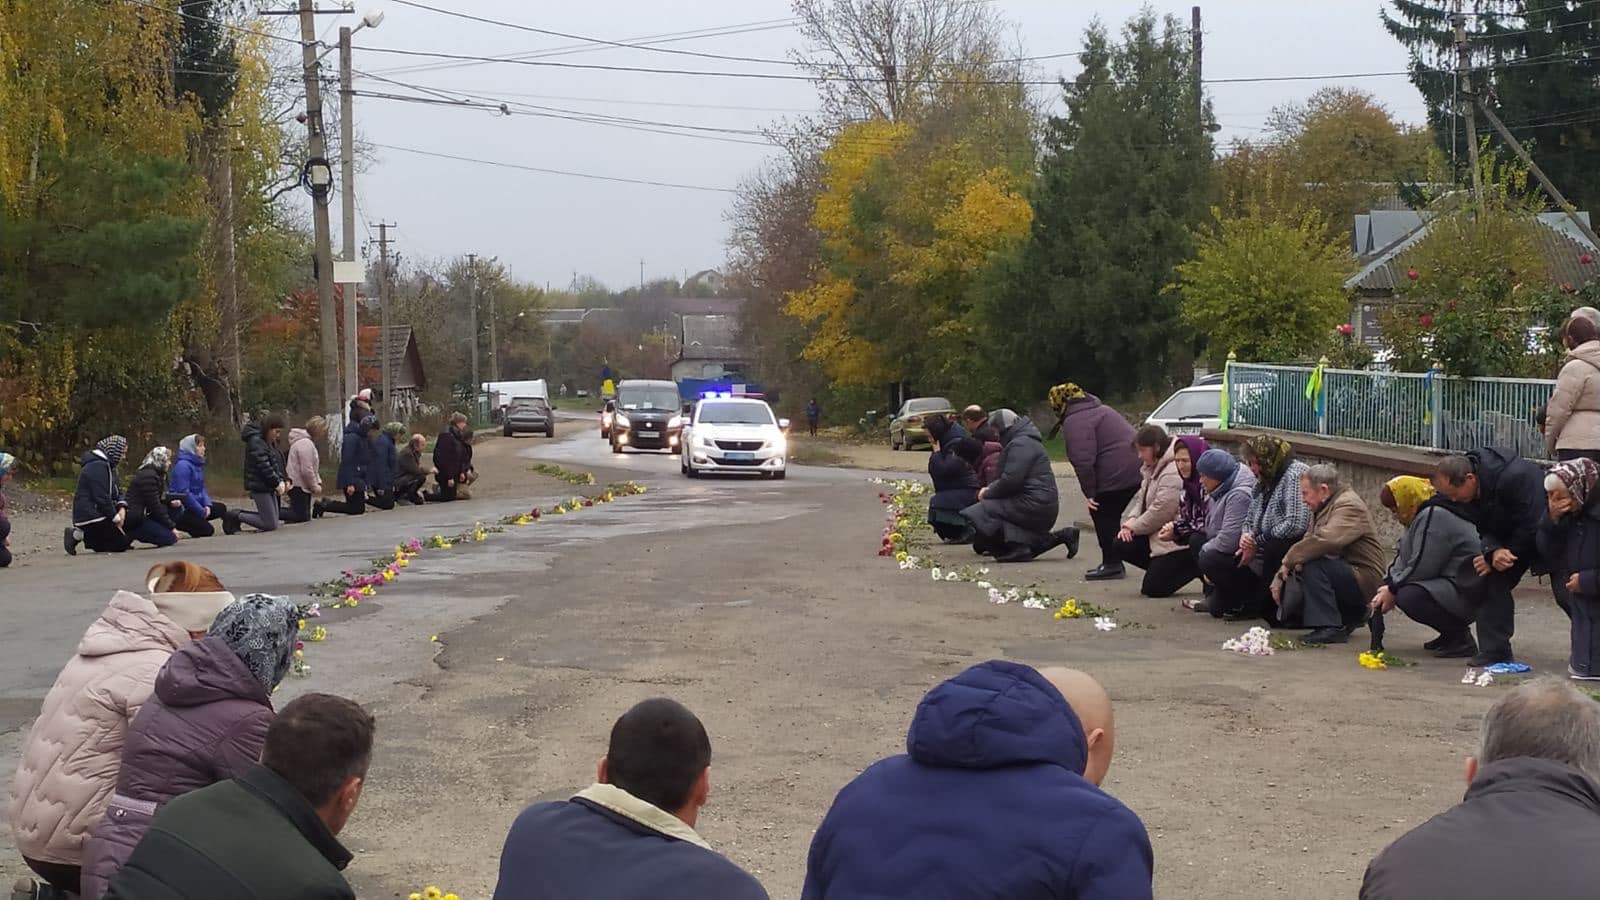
<point x="544" y="171"/>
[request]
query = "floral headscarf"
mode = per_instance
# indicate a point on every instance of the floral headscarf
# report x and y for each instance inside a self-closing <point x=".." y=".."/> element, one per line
<point x="260" y="628"/>
<point x="395" y="430"/>
<point x="1063" y="394"/>
<point x="160" y="457"/>
<point x="114" y="447"/>
<point x="1196" y="445"/>
<point x="1409" y="493"/>
<point x="1272" y="454"/>
<point x="1578" y="476"/>
<point x="7" y="461"/>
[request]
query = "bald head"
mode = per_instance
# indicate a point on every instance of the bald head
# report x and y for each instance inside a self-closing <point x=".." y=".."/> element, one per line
<point x="1092" y="705"/>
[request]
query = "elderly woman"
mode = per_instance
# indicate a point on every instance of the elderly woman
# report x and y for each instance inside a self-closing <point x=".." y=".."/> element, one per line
<point x="955" y="483"/>
<point x="1328" y="575"/>
<point x="1015" y="513"/>
<point x="1431" y="579"/>
<point x="1278" y="513"/>
<point x="1235" y="594"/>
<point x="1169" y="573"/>
<point x="1569" y="538"/>
<point x="1572" y="418"/>
<point x="1100" y="445"/>
<point x="98" y="510"/>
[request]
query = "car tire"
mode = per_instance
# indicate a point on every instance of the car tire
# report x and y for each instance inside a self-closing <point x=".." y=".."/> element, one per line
<point x="550" y="431"/>
<point x="508" y="432"/>
<point x="893" y="444"/>
<point x="780" y="474"/>
<point x="691" y="471"/>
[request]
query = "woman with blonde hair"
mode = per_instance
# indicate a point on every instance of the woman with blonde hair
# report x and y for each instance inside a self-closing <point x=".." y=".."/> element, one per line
<point x="70" y="759"/>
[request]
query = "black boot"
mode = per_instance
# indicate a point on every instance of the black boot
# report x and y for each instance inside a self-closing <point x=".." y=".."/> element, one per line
<point x="230" y="522"/>
<point x="1329" y="635"/>
<point x="1435" y="644"/>
<point x="1070" y="536"/>
<point x="1106" y="572"/>
<point x="1459" y="647"/>
<point x="1015" y="553"/>
<point x="70" y="540"/>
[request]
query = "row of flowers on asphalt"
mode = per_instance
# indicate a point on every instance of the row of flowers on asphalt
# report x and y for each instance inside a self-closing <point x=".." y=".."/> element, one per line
<point x="905" y="537"/>
<point x="352" y="587"/>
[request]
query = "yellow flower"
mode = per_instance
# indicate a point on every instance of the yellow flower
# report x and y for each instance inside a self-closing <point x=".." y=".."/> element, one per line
<point x="451" y="897"/>
<point x="900" y="556"/>
<point x="402" y="563"/>
<point x="414" y="897"/>
<point x="895" y="538"/>
<point x="432" y="893"/>
<point x="368" y="591"/>
<point x="302" y="624"/>
<point x="351" y="603"/>
<point x="1372" y="661"/>
<point x="434" y="638"/>
<point x="299" y="654"/>
<point x="388" y="575"/>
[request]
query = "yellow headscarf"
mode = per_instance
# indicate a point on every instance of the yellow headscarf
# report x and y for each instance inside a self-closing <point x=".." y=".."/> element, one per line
<point x="1062" y="394"/>
<point x="1409" y="493"/>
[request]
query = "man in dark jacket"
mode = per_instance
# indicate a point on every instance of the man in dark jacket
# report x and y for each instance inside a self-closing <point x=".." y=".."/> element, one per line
<point x="1015" y="512"/>
<point x="1100" y="445"/>
<point x="385" y="466"/>
<point x="98" y="510"/>
<point x="411" y="474"/>
<point x="270" y="833"/>
<point x="1504" y="495"/>
<point x="1530" y="819"/>
<point x="997" y="797"/>
<point x="631" y="835"/>
<point x="355" y="468"/>
<point x="452" y="459"/>
<point x="264" y="478"/>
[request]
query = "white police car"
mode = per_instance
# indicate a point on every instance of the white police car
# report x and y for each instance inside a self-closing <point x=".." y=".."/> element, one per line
<point x="739" y="435"/>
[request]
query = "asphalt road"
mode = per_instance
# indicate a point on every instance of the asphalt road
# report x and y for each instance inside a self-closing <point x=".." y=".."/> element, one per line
<point x="763" y="606"/>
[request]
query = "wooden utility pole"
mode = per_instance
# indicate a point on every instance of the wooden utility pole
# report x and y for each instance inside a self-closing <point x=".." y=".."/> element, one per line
<point x="1197" y="43"/>
<point x="472" y="312"/>
<point x="383" y="304"/>
<point x="332" y="398"/>
<point x="1538" y="173"/>
<point x="1465" y="99"/>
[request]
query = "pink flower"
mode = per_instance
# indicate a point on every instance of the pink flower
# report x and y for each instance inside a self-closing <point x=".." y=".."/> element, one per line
<point x="299" y="645"/>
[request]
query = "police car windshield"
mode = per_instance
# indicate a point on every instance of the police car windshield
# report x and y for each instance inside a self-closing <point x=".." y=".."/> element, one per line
<point x="735" y="414"/>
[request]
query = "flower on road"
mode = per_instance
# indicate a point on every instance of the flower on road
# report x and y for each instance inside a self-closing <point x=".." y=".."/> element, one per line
<point x="1255" y="642"/>
<point x="1070" y="609"/>
<point x="1105" y="623"/>
<point x="1372" y="661"/>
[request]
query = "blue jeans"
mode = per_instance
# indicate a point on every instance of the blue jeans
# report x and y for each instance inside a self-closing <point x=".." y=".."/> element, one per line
<point x="152" y="532"/>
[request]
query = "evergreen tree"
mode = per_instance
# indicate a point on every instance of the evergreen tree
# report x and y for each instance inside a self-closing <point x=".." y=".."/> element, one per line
<point x="1127" y="175"/>
<point x="1536" y="61"/>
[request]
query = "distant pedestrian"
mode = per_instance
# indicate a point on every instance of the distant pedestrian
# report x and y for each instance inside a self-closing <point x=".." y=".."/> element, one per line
<point x="98" y="509"/>
<point x="69" y="760"/>
<point x="270" y="833"/>
<point x="196" y="510"/>
<point x="1530" y="819"/>
<point x="813" y="415"/>
<point x="206" y="721"/>
<point x="631" y="835"/>
<point x="149" y="511"/>
<point x="304" y="468"/>
<point x="8" y="463"/>
<point x="264" y="477"/>
<point x="1100" y="445"/>
<point x="1572" y="417"/>
<point x="998" y="796"/>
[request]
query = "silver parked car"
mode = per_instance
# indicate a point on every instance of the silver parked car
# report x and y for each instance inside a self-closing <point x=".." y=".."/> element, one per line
<point x="530" y="414"/>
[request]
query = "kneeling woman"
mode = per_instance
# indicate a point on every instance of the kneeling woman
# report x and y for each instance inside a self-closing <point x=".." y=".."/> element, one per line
<point x="1569" y="538"/>
<point x="1015" y="513"/>
<point x="955" y="484"/>
<point x="1432" y="579"/>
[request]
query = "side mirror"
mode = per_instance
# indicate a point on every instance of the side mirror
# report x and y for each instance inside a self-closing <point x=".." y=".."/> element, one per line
<point x="783" y="424"/>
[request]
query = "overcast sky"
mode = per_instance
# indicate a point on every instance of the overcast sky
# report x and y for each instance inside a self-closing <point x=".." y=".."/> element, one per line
<point x="546" y="226"/>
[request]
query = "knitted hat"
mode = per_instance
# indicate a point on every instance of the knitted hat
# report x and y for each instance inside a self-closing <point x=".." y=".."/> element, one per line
<point x="190" y="610"/>
<point x="1217" y="464"/>
<point x="261" y="629"/>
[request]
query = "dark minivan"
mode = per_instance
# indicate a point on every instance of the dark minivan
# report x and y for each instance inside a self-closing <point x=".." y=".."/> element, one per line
<point x="647" y="416"/>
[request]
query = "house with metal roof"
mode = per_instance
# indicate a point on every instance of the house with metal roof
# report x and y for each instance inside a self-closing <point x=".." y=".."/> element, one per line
<point x="405" y="366"/>
<point x="710" y="347"/>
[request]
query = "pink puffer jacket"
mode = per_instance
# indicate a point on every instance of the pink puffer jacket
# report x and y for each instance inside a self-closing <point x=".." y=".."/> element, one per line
<point x="69" y="763"/>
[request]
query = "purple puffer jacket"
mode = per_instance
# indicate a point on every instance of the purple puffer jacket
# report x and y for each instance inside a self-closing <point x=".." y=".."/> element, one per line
<point x="1100" y="446"/>
<point x="205" y="723"/>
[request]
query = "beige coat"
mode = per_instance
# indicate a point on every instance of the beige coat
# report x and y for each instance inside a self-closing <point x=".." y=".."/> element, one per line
<point x="304" y="466"/>
<point x="1342" y="528"/>
<point x="69" y="763"/>
<point x="1572" y="420"/>
<point x="1156" y="504"/>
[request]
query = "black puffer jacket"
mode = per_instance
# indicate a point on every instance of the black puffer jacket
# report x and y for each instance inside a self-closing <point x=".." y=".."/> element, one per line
<point x="1526" y="828"/>
<point x="955" y="484"/>
<point x="263" y="463"/>
<point x="1022" y="501"/>
<point x="147" y="498"/>
<point x="1510" y="502"/>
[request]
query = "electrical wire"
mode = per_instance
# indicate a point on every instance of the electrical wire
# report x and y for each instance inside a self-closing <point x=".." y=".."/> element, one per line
<point x="543" y="171"/>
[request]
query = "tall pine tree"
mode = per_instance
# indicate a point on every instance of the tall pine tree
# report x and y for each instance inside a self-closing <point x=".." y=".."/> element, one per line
<point x="1127" y="173"/>
<point x="1540" y="62"/>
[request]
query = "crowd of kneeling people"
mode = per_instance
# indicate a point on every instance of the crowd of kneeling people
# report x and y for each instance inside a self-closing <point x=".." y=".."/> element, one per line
<point x="1272" y="538"/>
<point x="158" y="769"/>
<point x="168" y="498"/>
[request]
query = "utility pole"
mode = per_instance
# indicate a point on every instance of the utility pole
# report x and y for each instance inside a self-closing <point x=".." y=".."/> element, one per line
<point x="472" y="307"/>
<point x="383" y="304"/>
<point x="333" y="400"/>
<point x="347" y="195"/>
<point x="1465" y="98"/>
<point x="1538" y="173"/>
<point x="494" y="342"/>
<point x="641" y="277"/>
<point x="1197" y="40"/>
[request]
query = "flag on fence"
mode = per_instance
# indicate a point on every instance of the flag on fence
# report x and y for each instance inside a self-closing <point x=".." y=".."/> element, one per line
<point x="1315" y="389"/>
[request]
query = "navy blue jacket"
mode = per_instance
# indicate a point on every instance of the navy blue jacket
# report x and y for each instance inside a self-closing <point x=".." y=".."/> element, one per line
<point x="385" y="465"/>
<point x="99" y="495"/>
<point x="955" y="484"/>
<point x="188" y="483"/>
<point x="576" y="848"/>
<point x="355" y="459"/>
<point x="990" y="802"/>
<point x="1510" y="503"/>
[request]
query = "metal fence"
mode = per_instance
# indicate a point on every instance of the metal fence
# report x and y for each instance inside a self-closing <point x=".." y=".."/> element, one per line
<point x="1427" y="410"/>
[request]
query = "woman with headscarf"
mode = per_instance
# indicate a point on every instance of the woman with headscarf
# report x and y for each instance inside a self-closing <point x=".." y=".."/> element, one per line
<point x="1569" y="539"/>
<point x="98" y="510"/>
<point x="187" y="485"/>
<point x="1278" y="514"/>
<point x="1100" y="446"/>
<point x="1015" y="513"/>
<point x="955" y="483"/>
<point x="205" y="722"/>
<point x="69" y="760"/>
<point x="1175" y="570"/>
<point x="149" y="511"/>
<point x="1431" y="579"/>
<point x="7" y="463"/>
<point x="1228" y="487"/>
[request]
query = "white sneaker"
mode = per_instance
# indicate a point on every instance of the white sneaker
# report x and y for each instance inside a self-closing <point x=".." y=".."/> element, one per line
<point x="1575" y="676"/>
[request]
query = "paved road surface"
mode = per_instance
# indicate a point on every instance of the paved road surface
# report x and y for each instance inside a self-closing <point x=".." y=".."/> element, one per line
<point x="763" y="606"/>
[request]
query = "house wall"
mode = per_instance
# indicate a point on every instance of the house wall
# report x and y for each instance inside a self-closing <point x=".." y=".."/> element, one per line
<point x="705" y="368"/>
